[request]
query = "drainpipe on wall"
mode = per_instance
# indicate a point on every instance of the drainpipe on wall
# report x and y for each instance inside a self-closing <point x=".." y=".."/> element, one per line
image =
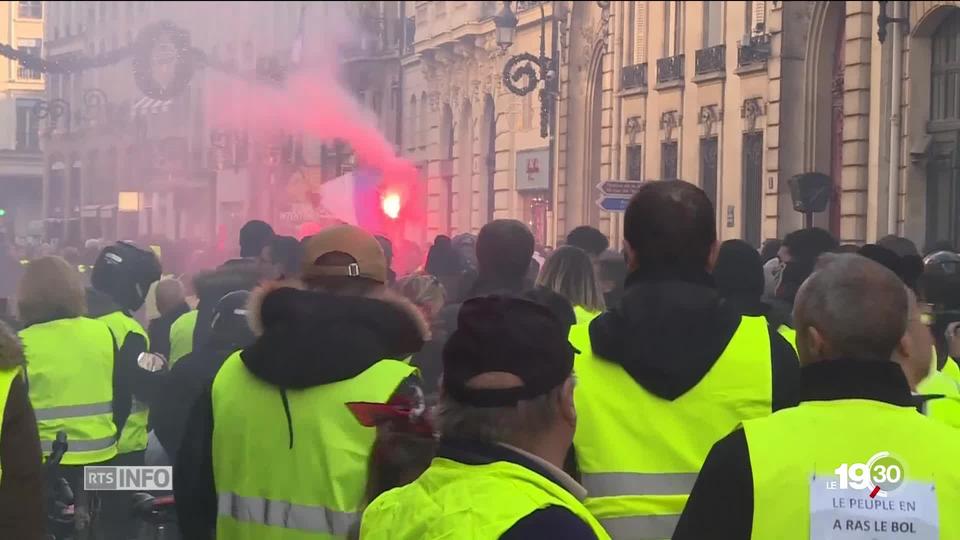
<point x="893" y="176"/>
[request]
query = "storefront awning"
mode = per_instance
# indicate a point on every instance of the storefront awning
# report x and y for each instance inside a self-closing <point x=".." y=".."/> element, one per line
<point x="146" y="105"/>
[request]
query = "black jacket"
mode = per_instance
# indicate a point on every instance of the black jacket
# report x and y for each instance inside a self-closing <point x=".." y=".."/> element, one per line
<point x="306" y="339"/>
<point x="430" y="359"/>
<point x="159" y="330"/>
<point x="211" y="286"/>
<point x="670" y="330"/>
<point x="726" y="474"/>
<point x="182" y="386"/>
<point x="128" y="379"/>
<point x="550" y="523"/>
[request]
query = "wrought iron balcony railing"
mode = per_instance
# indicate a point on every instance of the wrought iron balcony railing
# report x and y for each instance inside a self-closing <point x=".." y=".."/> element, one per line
<point x="634" y="76"/>
<point x="670" y="69"/>
<point x="711" y="59"/>
<point x="523" y="5"/>
<point x="755" y="51"/>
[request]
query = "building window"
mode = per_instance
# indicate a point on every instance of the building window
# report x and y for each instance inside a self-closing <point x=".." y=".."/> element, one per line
<point x="30" y="10"/>
<point x="634" y="157"/>
<point x="668" y="160"/>
<point x="708" y="168"/>
<point x="945" y="71"/>
<point x="673" y="28"/>
<point x="712" y="23"/>
<point x="103" y="11"/>
<point x="28" y="126"/>
<point x="755" y="18"/>
<point x="33" y="48"/>
<point x="752" y="187"/>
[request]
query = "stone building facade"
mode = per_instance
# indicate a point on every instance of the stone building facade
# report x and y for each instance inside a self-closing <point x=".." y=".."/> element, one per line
<point x="21" y="24"/>
<point x="191" y="175"/>
<point x="735" y="96"/>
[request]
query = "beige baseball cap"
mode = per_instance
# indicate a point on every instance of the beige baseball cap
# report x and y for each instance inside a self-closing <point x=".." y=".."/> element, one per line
<point x="369" y="260"/>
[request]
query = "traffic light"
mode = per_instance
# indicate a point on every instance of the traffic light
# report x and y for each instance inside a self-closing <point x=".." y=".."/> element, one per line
<point x="3" y="212"/>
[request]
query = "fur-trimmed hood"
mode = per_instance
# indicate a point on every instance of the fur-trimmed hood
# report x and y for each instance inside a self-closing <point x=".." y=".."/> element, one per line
<point x="308" y="338"/>
<point x="11" y="350"/>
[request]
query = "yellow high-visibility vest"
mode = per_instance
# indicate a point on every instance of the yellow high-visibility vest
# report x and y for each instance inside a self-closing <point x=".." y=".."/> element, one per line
<point x="7" y="376"/>
<point x="796" y="447"/>
<point x="70" y="374"/>
<point x="303" y="480"/>
<point x="639" y="454"/>
<point x="455" y="500"/>
<point x="133" y="436"/>
<point x="181" y="335"/>
<point x="788" y="334"/>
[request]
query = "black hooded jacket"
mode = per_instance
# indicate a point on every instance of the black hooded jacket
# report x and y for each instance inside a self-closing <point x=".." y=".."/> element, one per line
<point x="211" y="286"/>
<point x="671" y="328"/>
<point x="305" y="339"/>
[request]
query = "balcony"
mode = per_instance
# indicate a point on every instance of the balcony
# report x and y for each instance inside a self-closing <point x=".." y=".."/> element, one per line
<point x="27" y="74"/>
<point x="754" y="51"/>
<point x="711" y="59"/>
<point x="670" y="69"/>
<point x="634" y="76"/>
<point x="528" y="4"/>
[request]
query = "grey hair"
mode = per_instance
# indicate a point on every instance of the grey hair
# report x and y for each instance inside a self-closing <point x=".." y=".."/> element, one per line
<point x="498" y="424"/>
<point x="570" y="273"/>
<point x="857" y="305"/>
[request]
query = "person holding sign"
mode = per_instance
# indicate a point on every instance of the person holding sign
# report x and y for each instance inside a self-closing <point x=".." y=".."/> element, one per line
<point x="855" y="460"/>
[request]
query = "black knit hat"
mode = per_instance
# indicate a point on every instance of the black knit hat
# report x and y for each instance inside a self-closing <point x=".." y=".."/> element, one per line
<point x="511" y="335"/>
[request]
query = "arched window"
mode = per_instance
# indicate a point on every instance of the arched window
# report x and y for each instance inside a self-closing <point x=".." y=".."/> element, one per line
<point x="945" y="71"/>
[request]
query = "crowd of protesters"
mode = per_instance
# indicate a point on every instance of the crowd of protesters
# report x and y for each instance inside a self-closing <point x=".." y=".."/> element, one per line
<point x="439" y="400"/>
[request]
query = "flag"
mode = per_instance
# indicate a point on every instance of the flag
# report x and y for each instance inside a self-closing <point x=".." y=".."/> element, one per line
<point x="296" y="52"/>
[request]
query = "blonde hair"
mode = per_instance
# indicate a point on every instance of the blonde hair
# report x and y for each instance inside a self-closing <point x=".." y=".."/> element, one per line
<point x="50" y="289"/>
<point x="569" y="272"/>
<point x="425" y="291"/>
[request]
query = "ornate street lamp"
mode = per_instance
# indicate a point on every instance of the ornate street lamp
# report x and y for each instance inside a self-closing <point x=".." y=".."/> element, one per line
<point x="506" y="23"/>
<point x="535" y="70"/>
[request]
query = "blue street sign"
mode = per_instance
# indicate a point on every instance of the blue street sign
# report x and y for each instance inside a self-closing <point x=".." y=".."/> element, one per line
<point x="613" y="203"/>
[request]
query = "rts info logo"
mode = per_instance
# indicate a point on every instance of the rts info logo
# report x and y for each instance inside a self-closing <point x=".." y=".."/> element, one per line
<point x="881" y="474"/>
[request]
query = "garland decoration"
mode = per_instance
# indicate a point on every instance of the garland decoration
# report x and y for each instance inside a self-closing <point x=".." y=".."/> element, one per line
<point x="72" y="63"/>
<point x="148" y="45"/>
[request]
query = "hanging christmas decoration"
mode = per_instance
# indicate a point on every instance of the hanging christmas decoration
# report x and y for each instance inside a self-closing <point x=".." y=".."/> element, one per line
<point x="163" y="60"/>
<point x="67" y="63"/>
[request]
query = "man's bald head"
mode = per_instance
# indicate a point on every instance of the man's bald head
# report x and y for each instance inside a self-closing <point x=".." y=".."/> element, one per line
<point x="850" y="308"/>
<point x="169" y="295"/>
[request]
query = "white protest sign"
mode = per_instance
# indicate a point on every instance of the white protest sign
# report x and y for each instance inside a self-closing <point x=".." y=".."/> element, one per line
<point x="908" y="512"/>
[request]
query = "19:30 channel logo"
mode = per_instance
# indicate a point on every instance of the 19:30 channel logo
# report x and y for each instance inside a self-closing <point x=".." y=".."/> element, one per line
<point x="881" y="473"/>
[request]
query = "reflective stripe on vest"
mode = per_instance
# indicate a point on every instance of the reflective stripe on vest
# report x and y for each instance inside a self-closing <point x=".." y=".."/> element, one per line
<point x="72" y="411"/>
<point x="7" y="376"/>
<point x="620" y="484"/>
<point x="792" y="446"/>
<point x="286" y="515"/>
<point x="70" y="372"/>
<point x="456" y="500"/>
<point x="322" y="442"/>
<point x="674" y="435"/>
<point x="641" y="527"/>
<point x="133" y="435"/>
<point x="91" y="445"/>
